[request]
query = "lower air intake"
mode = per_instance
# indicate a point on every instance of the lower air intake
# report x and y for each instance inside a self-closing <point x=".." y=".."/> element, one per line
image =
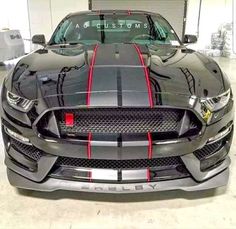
<point x="119" y="164"/>
<point x="29" y="151"/>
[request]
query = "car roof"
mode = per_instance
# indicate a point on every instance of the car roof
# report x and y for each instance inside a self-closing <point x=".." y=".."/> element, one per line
<point x="99" y="12"/>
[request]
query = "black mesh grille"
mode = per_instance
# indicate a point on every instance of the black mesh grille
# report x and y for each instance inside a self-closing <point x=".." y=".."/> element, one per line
<point x="119" y="164"/>
<point x="208" y="150"/>
<point x="122" y="120"/>
<point x="29" y="151"/>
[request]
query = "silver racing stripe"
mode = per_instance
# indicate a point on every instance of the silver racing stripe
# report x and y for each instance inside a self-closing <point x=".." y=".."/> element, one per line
<point x="118" y="77"/>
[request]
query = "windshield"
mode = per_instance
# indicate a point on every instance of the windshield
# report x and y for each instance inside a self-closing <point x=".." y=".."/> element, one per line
<point x="115" y="28"/>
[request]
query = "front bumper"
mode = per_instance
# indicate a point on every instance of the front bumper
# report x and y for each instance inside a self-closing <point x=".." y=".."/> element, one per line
<point x="104" y="180"/>
<point x="186" y="184"/>
<point x="46" y="178"/>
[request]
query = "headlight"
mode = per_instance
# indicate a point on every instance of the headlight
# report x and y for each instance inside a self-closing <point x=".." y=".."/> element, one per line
<point x="216" y="103"/>
<point x="18" y="102"/>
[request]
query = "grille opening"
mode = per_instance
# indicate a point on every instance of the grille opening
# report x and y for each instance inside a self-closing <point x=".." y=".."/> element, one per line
<point x="164" y="123"/>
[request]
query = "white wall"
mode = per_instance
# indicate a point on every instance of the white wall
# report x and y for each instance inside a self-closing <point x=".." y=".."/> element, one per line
<point x="46" y="14"/>
<point x="214" y="13"/>
<point x="234" y="26"/>
<point x="14" y="15"/>
<point x="60" y="8"/>
<point x="40" y="17"/>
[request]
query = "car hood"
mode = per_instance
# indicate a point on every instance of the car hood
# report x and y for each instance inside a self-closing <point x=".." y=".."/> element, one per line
<point x="115" y="75"/>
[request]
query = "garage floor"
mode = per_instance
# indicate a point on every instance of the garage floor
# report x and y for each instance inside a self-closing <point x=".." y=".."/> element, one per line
<point x="173" y="209"/>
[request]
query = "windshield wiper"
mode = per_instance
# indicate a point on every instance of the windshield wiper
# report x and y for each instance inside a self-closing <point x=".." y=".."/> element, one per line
<point x="76" y="43"/>
<point x="67" y="44"/>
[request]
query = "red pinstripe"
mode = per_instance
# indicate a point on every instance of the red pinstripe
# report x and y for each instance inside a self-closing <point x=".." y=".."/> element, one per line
<point x="148" y="175"/>
<point x="89" y="146"/>
<point x="149" y="145"/>
<point x="149" y="136"/>
<point x="90" y="76"/>
<point x="90" y="175"/>
<point x="89" y="153"/>
<point x="89" y="87"/>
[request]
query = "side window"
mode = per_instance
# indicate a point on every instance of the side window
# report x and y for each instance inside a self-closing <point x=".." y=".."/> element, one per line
<point x="165" y="30"/>
<point x="60" y="35"/>
<point x="162" y="31"/>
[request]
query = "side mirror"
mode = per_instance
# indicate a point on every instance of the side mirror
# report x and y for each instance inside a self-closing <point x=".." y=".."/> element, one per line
<point x="39" y="39"/>
<point x="190" y="39"/>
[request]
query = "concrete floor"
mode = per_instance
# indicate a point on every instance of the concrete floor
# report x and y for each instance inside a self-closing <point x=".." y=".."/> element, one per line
<point x="173" y="209"/>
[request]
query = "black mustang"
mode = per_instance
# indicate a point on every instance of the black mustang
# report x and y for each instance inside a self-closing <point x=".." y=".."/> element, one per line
<point x="114" y="102"/>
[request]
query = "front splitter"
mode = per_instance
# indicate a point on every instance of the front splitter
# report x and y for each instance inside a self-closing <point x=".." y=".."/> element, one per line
<point x="52" y="184"/>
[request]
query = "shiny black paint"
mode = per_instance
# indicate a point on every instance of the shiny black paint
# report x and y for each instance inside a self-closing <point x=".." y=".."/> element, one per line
<point x="56" y="77"/>
<point x="63" y="71"/>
